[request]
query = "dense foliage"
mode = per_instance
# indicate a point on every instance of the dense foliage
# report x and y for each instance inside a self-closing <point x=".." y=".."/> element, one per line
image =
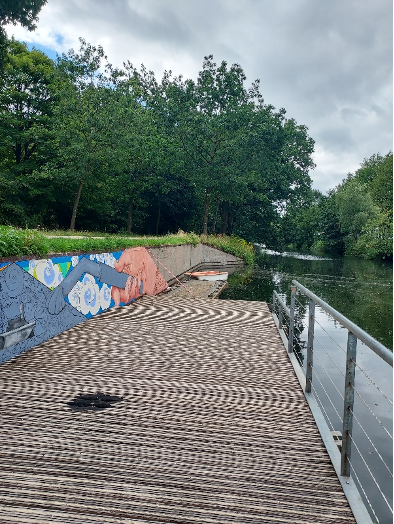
<point x="356" y="218"/>
<point x="87" y="146"/>
<point x="24" y="12"/>
<point x="84" y="145"/>
<point x="18" y="242"/>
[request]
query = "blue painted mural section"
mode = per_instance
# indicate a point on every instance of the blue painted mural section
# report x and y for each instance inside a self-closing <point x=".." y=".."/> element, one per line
<point x="42" y="298"/>
<point x="25" y="320"/>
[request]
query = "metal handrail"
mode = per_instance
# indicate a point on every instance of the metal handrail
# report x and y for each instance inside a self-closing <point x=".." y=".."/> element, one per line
<point x="372" y="343"/>
<point x="343" y="466"/>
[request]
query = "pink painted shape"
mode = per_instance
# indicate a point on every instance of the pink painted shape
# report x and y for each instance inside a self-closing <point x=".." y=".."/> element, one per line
<point x="137" y="263"/>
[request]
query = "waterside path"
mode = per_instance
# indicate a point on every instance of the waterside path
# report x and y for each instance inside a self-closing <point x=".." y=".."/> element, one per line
<point x="206" y="423"/>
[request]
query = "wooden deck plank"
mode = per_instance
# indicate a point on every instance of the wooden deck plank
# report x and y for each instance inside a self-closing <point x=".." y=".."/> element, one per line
<point x="213" y="425"/>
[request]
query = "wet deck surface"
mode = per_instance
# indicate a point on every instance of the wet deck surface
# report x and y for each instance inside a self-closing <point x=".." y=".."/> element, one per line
<point x="213" y="426"/>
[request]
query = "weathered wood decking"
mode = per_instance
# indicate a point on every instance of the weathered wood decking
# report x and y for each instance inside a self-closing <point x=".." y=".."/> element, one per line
<point x="213" y="426"/>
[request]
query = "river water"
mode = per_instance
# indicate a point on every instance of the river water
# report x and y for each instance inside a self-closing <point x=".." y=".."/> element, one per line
<point x="362" y="291"/>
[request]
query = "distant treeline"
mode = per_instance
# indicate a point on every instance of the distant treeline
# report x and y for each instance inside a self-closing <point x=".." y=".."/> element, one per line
<point x="87" y="146"/>
<point x="355" y="218"/>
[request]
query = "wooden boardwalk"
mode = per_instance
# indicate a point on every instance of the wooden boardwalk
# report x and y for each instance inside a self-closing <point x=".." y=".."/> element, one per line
<point x="212" y="427"/>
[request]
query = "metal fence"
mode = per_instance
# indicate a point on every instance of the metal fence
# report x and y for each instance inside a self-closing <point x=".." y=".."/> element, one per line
<point x="349" y="390"/>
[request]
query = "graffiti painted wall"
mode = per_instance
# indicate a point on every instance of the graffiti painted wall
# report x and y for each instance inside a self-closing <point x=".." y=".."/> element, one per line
<point x="41" y="298"/>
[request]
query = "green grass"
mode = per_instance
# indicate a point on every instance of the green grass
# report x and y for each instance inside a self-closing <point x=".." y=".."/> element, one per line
<point x="19" y="242"/>
<point x="95" y="234"/>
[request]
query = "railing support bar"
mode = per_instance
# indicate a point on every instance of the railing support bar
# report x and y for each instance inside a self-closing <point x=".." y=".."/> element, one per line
<point x="290" y="346"/>
<point x="351" y="356"/>
<point x="280" y="316"/>
<point x="274" y="302"/>
<point x="309" y="354"/>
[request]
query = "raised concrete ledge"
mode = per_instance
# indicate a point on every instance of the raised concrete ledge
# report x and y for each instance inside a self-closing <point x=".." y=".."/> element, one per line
<point x="173" y="261"/>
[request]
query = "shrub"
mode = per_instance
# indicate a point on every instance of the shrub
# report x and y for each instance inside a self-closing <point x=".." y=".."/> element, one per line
<point x="233" y="245"/>
<point x="18" y="242"/>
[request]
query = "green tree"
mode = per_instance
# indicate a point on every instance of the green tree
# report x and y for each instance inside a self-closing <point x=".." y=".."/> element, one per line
<point x="355" y="208"/>
<point x="381" y="186"/>
<point x="231" y="141"/>
<point x="376" y="239"/>
<point x="139" y="153"/>
<point x="301" y="221"/>
<point x="330" y="235"/>
<point x="83" y="127"/>
<point x="24" y="12"/>
<point x="201" y="117"/>
<point x="357" y="216"/>
<point x="28" y="95"/>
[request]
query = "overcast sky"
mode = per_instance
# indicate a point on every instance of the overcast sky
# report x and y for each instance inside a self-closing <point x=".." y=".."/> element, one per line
<point x="327" y="62"/>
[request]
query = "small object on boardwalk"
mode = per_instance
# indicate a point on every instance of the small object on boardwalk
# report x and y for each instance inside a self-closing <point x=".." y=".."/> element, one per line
<point x="93" y="401"/>
<point x="209" y="275"/>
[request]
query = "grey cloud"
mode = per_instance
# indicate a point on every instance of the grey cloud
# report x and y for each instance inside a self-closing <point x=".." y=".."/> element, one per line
<point x="337" y="139"/>
<point x="350" y="113"/>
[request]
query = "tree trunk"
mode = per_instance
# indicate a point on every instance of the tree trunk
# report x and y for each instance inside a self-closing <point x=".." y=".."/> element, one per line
<point x="206" y="212"/>
<point x="158" y="220"/>
<point x="75" y="207"/>
<point x="224" y="218"/>
<point x="129" y="215"/>
<point x="78" y="197"/>
<point x="215" y="218"/>
<point x="18" y="152"/>
<point x="230" y="223"/>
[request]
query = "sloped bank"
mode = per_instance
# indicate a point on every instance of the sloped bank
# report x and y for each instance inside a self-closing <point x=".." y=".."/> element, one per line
<point x="42" y="297"/>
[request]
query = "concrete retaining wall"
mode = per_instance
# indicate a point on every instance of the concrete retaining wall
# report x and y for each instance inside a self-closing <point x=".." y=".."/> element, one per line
<point x="175" y="260"/>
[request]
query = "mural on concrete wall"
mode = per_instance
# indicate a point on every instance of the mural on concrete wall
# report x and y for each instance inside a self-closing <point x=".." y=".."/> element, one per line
<point x="41" y="298"/>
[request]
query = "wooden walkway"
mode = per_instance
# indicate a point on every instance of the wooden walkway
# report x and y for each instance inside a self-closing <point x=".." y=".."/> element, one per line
<point x="213" y="426"/>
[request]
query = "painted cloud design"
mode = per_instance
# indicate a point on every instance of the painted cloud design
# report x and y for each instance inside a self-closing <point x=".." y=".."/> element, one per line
<point x="88" y="298"/>
<point x="46" y="272"/>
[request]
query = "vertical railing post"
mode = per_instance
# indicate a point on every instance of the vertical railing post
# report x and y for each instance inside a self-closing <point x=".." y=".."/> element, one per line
<point x="291" y="323"/>
<point x="280" y="316"/>
<point x="348" y="402"/>
<point x="274" y="303"/>
<point x="309" y="353"/>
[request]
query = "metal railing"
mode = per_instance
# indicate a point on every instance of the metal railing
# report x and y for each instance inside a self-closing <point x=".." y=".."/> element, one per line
<point x="341" y="364"/>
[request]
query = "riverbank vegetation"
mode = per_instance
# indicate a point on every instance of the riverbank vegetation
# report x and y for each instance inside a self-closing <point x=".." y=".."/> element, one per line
<point x="355" y="218"/>
<point x="29" y="242"/>
<point x="86" y="146"/>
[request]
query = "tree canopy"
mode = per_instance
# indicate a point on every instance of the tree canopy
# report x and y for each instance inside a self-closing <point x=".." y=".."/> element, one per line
<point x="24" y="12"/>
<point x="233" y="144"/>
<point x="87" y="145"/>
<point x="84" y="145"/>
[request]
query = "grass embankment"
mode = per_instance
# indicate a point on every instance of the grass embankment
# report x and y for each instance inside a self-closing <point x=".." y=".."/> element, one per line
<point x="31" y="242"/>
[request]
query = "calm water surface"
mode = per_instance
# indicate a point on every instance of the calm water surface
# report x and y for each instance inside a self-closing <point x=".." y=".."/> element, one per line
<point x="362" y="290"/>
